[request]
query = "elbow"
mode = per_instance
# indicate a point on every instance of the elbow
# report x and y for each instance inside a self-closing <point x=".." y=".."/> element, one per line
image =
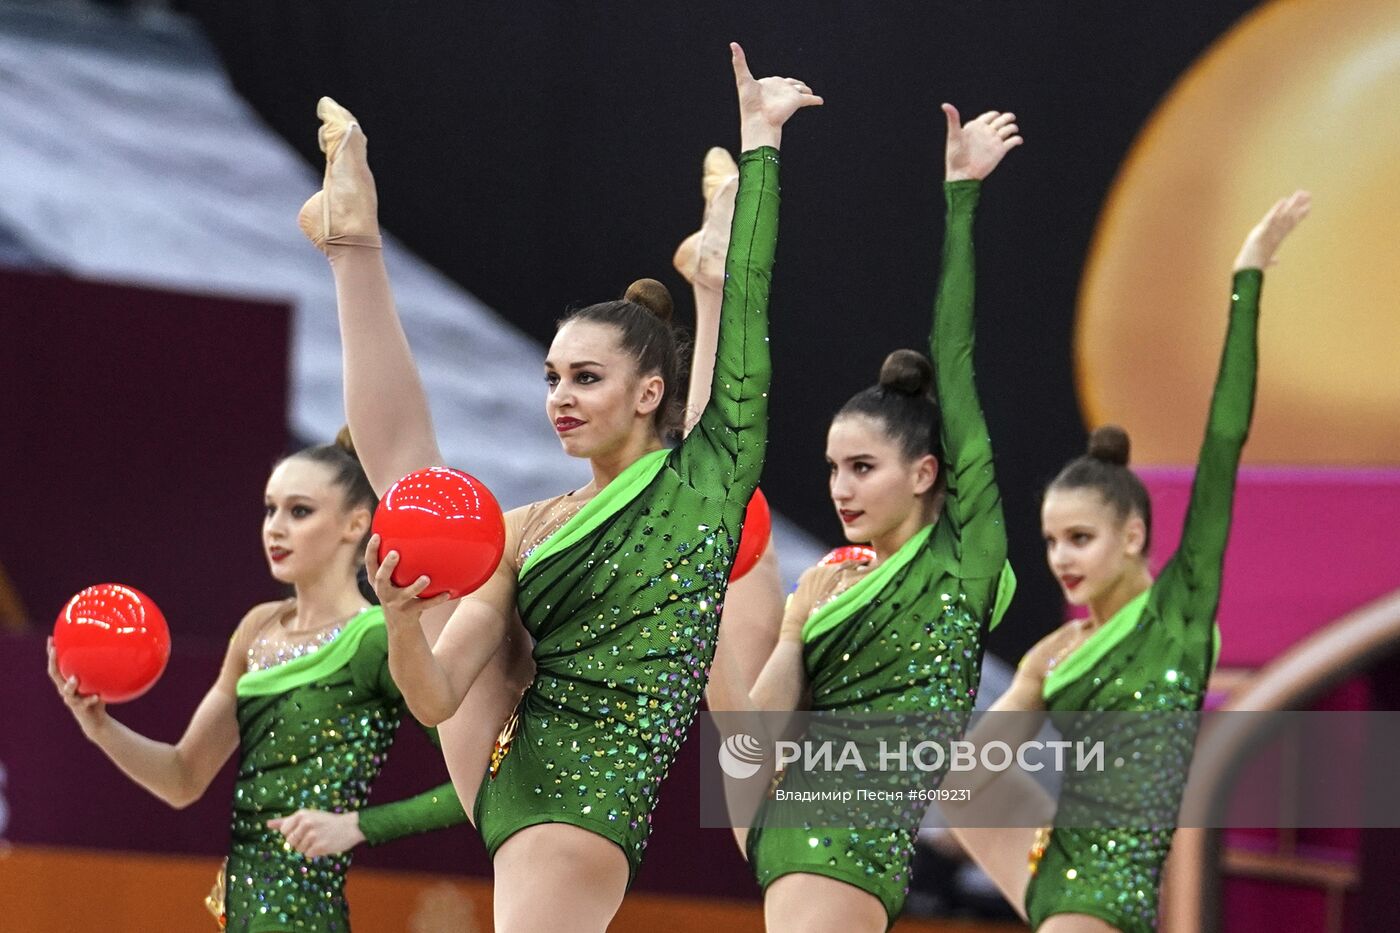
<point x="430" y="716"/>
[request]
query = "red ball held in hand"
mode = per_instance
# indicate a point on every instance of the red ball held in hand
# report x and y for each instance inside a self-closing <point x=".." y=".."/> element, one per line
<point x="846" y="553"/>
<point x="446" y="525"/>
<point x="758" y="527"/>
<point x="114" y="639"/>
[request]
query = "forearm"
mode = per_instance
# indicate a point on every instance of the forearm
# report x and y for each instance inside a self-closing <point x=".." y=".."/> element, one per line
<point x="426" y="688"/>
<point x="384" y="398"/>
<point x="782" y="682"/>
<point x="437" y="808"/>
<point x="159" y="767"/>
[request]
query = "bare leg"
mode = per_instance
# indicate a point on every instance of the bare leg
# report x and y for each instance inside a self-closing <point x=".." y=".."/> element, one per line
<point x="558" y="877"/>
<point x="806" y="903"/>
<point x="469" y="735"/>
<point x="1076" y="923"/>
<point x="748" y="631"/>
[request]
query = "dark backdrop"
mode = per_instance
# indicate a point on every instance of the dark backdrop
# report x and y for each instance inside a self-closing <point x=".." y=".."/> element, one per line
<point x="543" y="153"/>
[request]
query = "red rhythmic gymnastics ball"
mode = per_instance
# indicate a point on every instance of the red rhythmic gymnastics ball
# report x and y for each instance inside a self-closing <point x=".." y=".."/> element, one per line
<point x="114" y="639"/>
<point x="758" y="528"/>
<point x="446" y="525"/>
<point x="846" y="553"/>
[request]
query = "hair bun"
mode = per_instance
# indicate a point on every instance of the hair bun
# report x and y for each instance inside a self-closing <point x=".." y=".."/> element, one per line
<point x="652" y="295"/>
<point x="1110" y="444"/>
<point x="344" y="441"/>
<point x="907" y="372"/>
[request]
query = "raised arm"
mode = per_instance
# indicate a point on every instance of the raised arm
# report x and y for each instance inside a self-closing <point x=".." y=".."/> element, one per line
<point x="384" y="398"/>
<point x="1207" y="528"/>
<point x="435" y="668"/>
<point x="973" y="504"/>
<point x="732" y="429"/>
<point x="178" y="773"/>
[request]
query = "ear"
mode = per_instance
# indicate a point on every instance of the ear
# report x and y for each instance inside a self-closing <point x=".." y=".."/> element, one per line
<point x="358" y="524"/>
<point x="925" y="473"/>
<point x="650" y="390"/>
<point x="1134" y="535"/>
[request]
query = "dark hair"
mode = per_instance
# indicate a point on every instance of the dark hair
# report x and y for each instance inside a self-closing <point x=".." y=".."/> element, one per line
<point x="903" y="404"/>
<point x="642" y="318"/>
<point x="349" y="475"/>
<point x="1104" y="468"/>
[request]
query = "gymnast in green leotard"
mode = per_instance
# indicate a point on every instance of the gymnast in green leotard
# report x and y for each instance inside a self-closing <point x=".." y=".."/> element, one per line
<point x="305" y="697"/>
<point x="1146" y="646"/>
<point x="900" y="632"/>
<point x="614" y="588"/>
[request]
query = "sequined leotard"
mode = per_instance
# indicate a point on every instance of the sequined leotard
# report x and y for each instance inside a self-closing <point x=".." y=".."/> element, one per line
<point x="1153" y="656"/>
<point x="314" y="731"/>
<point x="906" y="636"/>
<point x="623" y="600"/>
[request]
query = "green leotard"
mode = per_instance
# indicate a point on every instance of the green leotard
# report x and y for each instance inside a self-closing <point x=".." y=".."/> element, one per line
<point x="314" y="732"/>
<point x="623" y="600"/>
<point x="907" y="638"/>
<point x="1153" y="656"/>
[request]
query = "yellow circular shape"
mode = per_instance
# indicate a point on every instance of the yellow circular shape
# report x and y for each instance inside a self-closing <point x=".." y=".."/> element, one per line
<point x="1300" y="94"/>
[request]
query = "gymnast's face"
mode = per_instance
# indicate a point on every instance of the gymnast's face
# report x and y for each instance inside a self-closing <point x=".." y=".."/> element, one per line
<point x="1090" y="548"/>
<point x="307" y="529"/>
<point x="598" y="403"/>
<point x="879" y="493"/>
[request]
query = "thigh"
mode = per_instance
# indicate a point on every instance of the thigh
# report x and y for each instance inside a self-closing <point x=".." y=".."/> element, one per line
<point x="1075" y="923"/>
<point x="469" y="735"/>
<point x="748" y="632"/>
<point x="555" y="876"/>
<point x="802" y="902"/>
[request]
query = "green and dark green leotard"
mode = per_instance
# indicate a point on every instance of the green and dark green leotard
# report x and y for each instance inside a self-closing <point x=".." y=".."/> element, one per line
<point x="907" y="637"/>
<point x="1151" y="660"/>
<point x="623" y="600"/>
<point x="314" y="732"/>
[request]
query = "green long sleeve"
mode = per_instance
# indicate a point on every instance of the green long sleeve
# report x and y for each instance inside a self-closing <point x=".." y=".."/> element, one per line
<point x="733" y="429"/>
<point x="973" y="506"/>
<point x="437" y="808"/>
<point x="1191" y="580"/>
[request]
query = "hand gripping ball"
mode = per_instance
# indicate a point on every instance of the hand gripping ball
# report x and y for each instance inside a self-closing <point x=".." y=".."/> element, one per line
<point x="446" y="525"/>
<point x="758" y="528"/>
<point x="114" y="639"/>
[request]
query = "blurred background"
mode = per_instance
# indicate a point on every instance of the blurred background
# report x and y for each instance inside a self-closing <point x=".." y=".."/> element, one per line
<point x="166" y="333"/>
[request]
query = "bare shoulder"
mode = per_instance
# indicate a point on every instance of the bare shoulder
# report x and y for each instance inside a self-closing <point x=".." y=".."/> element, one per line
<point x="1037" y="661"/>
<point x="260" y="615"/>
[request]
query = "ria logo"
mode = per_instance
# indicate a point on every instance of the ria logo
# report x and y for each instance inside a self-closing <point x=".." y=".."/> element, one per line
<point x="740" y="756"/>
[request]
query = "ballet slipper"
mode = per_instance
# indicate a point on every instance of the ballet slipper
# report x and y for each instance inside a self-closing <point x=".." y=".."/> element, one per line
<point x="700" y="257"/>
<point x="718" y="167"/>
<point x="345" y="211"/>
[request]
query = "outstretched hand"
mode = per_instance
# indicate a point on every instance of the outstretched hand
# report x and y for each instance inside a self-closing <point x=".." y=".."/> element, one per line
<point x="978" y="146"/>
<point x="765" y="104"/>
<point x="400" y="603"/>
<point x="1268" y="235"/>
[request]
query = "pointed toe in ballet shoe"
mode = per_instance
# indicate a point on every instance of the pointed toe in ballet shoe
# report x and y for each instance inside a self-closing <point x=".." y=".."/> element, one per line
<point x="345" y="211"/>
<point x="687" y="256"/>
<point x="719" y="166"/>
<point x="701" y="255"/>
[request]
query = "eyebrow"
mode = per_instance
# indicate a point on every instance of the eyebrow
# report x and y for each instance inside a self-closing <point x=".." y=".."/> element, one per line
<point x="295" y="495"/>
<point x="579" y="365"/>
<point x="852" y="457"/>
